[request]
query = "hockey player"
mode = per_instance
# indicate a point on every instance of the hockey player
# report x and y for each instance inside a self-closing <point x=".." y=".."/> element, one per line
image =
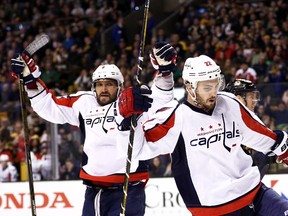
<point x="246" y="91"/>
<point x="8" y="172"/>
<point x="94" y="112"/>
<point x="204" y="134"/>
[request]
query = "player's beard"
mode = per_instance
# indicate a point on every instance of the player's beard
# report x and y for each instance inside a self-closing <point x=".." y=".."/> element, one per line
<point x="105" y="98"/>
<point x="206" y="104"/>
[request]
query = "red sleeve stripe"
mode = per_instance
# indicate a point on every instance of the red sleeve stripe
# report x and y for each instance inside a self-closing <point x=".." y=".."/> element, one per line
<point x="255" y="125"/>
<point x="160" y="130"/>
<point x="68" y="102"/>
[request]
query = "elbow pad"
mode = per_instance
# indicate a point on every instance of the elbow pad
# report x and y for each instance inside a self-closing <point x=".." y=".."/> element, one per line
<point x="281" y="146"/>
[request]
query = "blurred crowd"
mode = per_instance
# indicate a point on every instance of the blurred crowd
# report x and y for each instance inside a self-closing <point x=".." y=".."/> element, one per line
<point x="247" y="40"/>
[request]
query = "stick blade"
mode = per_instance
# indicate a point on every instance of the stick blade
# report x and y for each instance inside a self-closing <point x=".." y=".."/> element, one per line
<point x="40" y="41"/>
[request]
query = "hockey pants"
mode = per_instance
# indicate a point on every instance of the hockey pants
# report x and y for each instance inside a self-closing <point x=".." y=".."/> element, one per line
<point x="107" y="201"/>
<point x="266" y="203"/>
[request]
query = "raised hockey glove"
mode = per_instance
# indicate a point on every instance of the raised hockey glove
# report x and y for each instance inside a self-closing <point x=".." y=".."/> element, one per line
<point x="17" y="67"/>
<point x="281" y="146"/>
<point x="25" y="69"/>
<point x="134" y="100"/>
<point x="163" y="58"/>
<point x="31" y="78"/>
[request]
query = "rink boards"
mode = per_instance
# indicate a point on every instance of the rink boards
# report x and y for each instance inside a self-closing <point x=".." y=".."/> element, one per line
<point x="63" y="198"/>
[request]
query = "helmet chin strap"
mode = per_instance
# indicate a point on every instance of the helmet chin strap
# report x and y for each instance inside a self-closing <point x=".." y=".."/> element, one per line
<point x="118" y="91"/>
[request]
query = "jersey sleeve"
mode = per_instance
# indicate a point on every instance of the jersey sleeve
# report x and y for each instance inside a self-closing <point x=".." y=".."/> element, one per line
<point x="162" y="92"/>
<point x="255" y="134"/>
<point x="159" y="134"/>
<point x="58" y="110"/>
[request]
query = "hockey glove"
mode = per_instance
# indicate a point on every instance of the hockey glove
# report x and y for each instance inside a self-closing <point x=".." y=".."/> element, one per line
<point x="17" y="67"/>
<point x="31" y="78"/>
<point x="134" y="100"/>
<point x="125" y="124"/>
<point x="281" y="146"/>
<point x="163" y="58"/>
<point x="26" y="69"/>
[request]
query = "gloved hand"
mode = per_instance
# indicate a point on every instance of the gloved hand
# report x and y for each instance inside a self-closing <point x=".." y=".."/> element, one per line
<point x="163" y="58"/>
<point x="18" y="69"/>
<point x="134" y="100"/>
<point x="281" y="146"/>
<point x="125" y="124"/>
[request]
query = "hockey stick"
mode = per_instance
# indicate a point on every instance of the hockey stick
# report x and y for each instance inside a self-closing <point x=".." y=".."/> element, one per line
<point x="35" y="45"/>
<point x="134" y="117"/>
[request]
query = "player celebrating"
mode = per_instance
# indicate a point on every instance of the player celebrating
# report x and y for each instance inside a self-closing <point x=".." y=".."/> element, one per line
<point x="204" y="134"/>
<point x="94" y="112"/>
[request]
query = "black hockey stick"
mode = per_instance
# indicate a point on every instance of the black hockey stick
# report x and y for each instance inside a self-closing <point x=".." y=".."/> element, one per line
<point x="35" y="45"/>
<point x="134" y="117"/>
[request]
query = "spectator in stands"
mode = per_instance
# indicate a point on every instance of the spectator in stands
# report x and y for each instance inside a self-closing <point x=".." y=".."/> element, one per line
<point x="46" y="168"/>
<point x="280" y="114"/>
<point x="5" y="135"/>
<point x="119" y="32"/>
<point x="246" y="72"/>
<point x="261" y="69"/>
<point x="83" y="81"/>
<point x="157" y="168"/>
<point x="8" y="172"/>
<point x="50" y="75"/>
<point x="69" y="171"/>
<point x="277" y="76"/>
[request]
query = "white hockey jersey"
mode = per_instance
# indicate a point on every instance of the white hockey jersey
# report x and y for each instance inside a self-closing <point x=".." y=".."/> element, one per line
<point x="8" y="174"/>
<point x="102" y="162"/>
<point x="213" y="174"/>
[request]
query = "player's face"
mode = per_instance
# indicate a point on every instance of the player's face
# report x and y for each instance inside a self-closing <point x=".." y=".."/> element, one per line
<point x="251" y="99"/>
<point x="106" y="91"/>
<point x="206" y="93"/>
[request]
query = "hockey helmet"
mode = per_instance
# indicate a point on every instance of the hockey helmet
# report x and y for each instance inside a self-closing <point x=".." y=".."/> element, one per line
<point x="240" y="86"/>
<point x="108" y="71"/>
<point x="200" y="68"/>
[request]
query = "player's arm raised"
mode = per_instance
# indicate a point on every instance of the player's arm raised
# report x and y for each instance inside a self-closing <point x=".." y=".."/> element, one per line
<point x="43" y="101"/>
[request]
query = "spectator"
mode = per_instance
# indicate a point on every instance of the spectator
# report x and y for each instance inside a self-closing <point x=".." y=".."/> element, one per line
<point x="157" y="168"/>
<point x="8" y="172"/>
<point x="50" y="75"/>
<point x="69" y="171"/>
<point x="280" y="114"/>
<point x="246" y="72"/>
<point x="45" y="161"/>
<point x="4" y="131"/>
<point x="118" y="32"/>
<point x="83" y="81"/>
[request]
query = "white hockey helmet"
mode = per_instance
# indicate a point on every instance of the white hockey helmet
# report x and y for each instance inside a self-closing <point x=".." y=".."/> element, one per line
<point x="200" y="68"/>
<point x="108" y="71"/>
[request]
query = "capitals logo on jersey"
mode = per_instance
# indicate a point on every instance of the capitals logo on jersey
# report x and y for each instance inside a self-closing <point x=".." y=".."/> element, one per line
<point x="215" y="135"/>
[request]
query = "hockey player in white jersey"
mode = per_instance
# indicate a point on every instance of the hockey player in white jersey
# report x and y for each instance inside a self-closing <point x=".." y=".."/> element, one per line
<point x="94" y="112"/>
<point x="204" y="134"/>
